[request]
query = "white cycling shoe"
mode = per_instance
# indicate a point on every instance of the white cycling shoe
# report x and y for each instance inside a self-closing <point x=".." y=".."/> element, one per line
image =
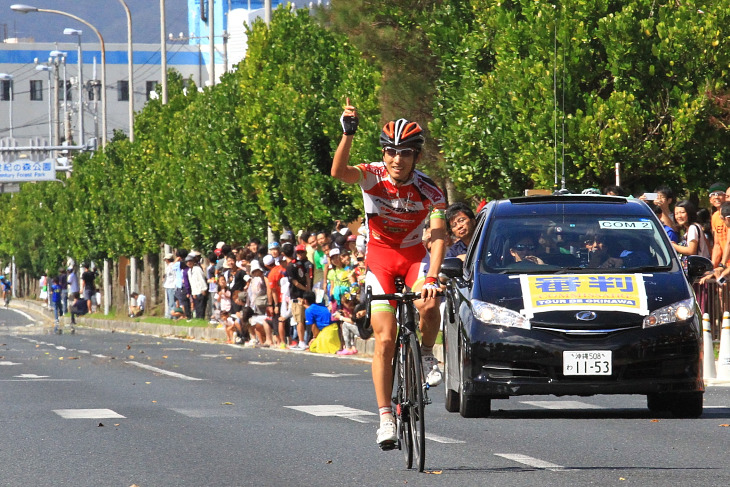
<point x="431" y="370"/>
<point x="387" y="436"/>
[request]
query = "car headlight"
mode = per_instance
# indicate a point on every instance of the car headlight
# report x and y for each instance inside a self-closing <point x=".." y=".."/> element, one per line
<point x="496" y="315"/>
<point x="679" y="311"/>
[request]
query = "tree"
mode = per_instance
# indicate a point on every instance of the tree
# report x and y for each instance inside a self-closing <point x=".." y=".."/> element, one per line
<point x="632" y="88"/>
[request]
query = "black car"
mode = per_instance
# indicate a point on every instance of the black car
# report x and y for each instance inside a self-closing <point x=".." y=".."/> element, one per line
<point x="572" y="295"/>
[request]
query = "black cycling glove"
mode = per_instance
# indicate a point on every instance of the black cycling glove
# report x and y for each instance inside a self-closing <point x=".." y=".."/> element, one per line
<point x="349" y="124"/>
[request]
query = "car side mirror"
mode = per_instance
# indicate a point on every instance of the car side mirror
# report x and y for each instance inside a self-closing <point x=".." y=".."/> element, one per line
<point x="452" y="267"/>
<point x="697" y="266"/>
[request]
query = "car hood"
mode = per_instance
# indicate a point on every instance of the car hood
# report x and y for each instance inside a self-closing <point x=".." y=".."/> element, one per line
<point x="507" y="290"/>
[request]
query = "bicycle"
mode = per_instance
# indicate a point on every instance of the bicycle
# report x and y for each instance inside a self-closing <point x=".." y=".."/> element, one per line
<point x="410" y="390"/>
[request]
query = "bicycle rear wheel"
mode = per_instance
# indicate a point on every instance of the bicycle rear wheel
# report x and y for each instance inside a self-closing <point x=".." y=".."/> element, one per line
<point x="414" y="400"/>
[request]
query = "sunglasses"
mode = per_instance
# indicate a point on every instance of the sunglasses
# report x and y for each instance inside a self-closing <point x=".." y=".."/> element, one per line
<point x="716" y="194"/>
<point x="392" y="152"/>
<point x="524" y="247"/>
<point x="460" y="221"/>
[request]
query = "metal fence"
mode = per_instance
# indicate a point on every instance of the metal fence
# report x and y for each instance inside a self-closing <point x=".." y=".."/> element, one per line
<point x="714" y="300"/>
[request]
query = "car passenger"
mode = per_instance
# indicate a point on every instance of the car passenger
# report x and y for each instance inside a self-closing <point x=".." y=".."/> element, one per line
<point x="523" y="252"/>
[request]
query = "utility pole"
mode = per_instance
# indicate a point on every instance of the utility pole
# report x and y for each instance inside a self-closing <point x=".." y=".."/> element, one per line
<point x="211" y="37"/>
<point x="163" y="49"/>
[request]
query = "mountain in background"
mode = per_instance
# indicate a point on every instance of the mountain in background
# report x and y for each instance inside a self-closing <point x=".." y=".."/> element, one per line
<point x="106" y="15"/>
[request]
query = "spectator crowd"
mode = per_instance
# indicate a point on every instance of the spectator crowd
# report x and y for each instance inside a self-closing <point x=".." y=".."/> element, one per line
<point x="290" y="293"/>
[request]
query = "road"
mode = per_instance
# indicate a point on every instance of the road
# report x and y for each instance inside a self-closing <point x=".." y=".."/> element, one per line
<point x="114" y="409"/>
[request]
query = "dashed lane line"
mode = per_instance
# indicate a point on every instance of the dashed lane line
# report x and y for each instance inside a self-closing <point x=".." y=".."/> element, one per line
<point x="88" y="414"/>
<point x="161" y="371"/>
<point x="532" y="462"/>
<point x="561" y="404"/>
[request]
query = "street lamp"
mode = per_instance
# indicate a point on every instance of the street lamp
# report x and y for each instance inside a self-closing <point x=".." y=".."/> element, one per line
<point x="75" y="32"/>
<point x="48" y="69"/>
<point x="130" y="68"/>
<point x="9" y="79"/>
<point x="24" y="9"/>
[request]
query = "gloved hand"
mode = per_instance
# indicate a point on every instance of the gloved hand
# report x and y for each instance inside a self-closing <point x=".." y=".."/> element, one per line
<point x="349" y="120"/>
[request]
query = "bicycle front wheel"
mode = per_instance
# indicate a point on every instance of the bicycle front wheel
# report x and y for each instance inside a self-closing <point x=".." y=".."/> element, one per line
<point x="415" y="402"/>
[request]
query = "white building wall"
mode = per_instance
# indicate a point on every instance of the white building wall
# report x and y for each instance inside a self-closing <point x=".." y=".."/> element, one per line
<point x="30" y="118"/>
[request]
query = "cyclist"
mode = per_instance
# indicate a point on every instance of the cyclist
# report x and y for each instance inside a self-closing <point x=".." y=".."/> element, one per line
<point x="398" y="199"/>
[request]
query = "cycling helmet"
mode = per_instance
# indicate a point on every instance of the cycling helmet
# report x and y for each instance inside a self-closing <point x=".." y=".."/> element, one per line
<point x="401" y="133"/>
<point x="591" y="191"/>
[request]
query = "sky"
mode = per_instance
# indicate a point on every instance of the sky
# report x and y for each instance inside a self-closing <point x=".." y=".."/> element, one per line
<point x="108" y="16"/>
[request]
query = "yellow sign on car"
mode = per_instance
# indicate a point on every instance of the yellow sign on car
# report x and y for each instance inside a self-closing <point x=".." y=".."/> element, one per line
<point x="608" y="292"/>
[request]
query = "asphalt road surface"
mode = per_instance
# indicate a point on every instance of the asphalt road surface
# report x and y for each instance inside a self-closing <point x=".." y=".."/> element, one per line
<point x="114" y="409"/>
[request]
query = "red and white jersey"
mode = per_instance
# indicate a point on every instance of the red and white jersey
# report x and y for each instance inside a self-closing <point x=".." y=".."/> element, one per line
<point x="396" y="215"/>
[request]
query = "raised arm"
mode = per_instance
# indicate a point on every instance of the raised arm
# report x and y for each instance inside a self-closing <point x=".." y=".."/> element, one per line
<point x="340" y="163"/>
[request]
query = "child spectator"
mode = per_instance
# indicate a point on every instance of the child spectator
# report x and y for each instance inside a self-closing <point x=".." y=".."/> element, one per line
<point x="229" y="324"/>
<point x="79" y="307"/>
<point x="137" y="304"/>
<point x="346" y="317"/>
<point x="326" y="334"/>
<point x="224" y="295"/>
<point x="257" y="301"/>
<point x="56" y="304"/>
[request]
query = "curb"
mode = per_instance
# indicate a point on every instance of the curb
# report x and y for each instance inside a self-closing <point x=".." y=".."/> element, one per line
<point x="365" y="348"/>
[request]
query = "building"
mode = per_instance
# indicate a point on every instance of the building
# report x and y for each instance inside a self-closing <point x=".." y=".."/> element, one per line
<point x="36" y="110"/>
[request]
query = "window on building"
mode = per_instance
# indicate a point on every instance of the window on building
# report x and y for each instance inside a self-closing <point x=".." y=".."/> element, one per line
<point x="36" y="90"/>
<point x="150" y="87"/>
<point x="6" y="89"/>
<point x="122" y="90"/>
<point x="69" y="92"/>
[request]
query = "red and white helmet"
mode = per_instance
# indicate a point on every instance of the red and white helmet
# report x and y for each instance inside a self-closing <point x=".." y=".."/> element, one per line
<point x="402" y="133"/>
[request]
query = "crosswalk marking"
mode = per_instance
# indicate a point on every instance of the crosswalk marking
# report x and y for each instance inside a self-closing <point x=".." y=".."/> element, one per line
<point x="324" y="374"/>
<point x="209" y="413"/>
<point x="334" y="410"/>
<point x="87" y="413"/>
<point x="532" y="462"/>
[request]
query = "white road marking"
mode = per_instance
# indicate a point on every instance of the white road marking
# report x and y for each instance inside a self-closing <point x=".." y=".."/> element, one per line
<point x="561" y="404"/>
<point x="261" y="363"/>
<point x="442" y="439"/>
<point x="532" y="462"/>
<point x="161" y="371"/>
<point x="334" y="410"/>
<point x="98" y="355"/>
<point x="324" y="374"/>
<point x="59" y="347"/>
<point x="84" y="351"/>
<point x="209" y="413"/>
<point x="31" y="376"/>
<point x="87" y="413"/>
<point x="5" y="362"/>
<point x="23" y="313"/>
<point x="215" y="355"/>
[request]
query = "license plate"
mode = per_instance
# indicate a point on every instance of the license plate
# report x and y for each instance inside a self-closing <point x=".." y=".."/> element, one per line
<point x="587" y="362"/>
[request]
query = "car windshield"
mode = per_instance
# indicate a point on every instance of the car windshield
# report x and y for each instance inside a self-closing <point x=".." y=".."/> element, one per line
<point x="574" y="243"/>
